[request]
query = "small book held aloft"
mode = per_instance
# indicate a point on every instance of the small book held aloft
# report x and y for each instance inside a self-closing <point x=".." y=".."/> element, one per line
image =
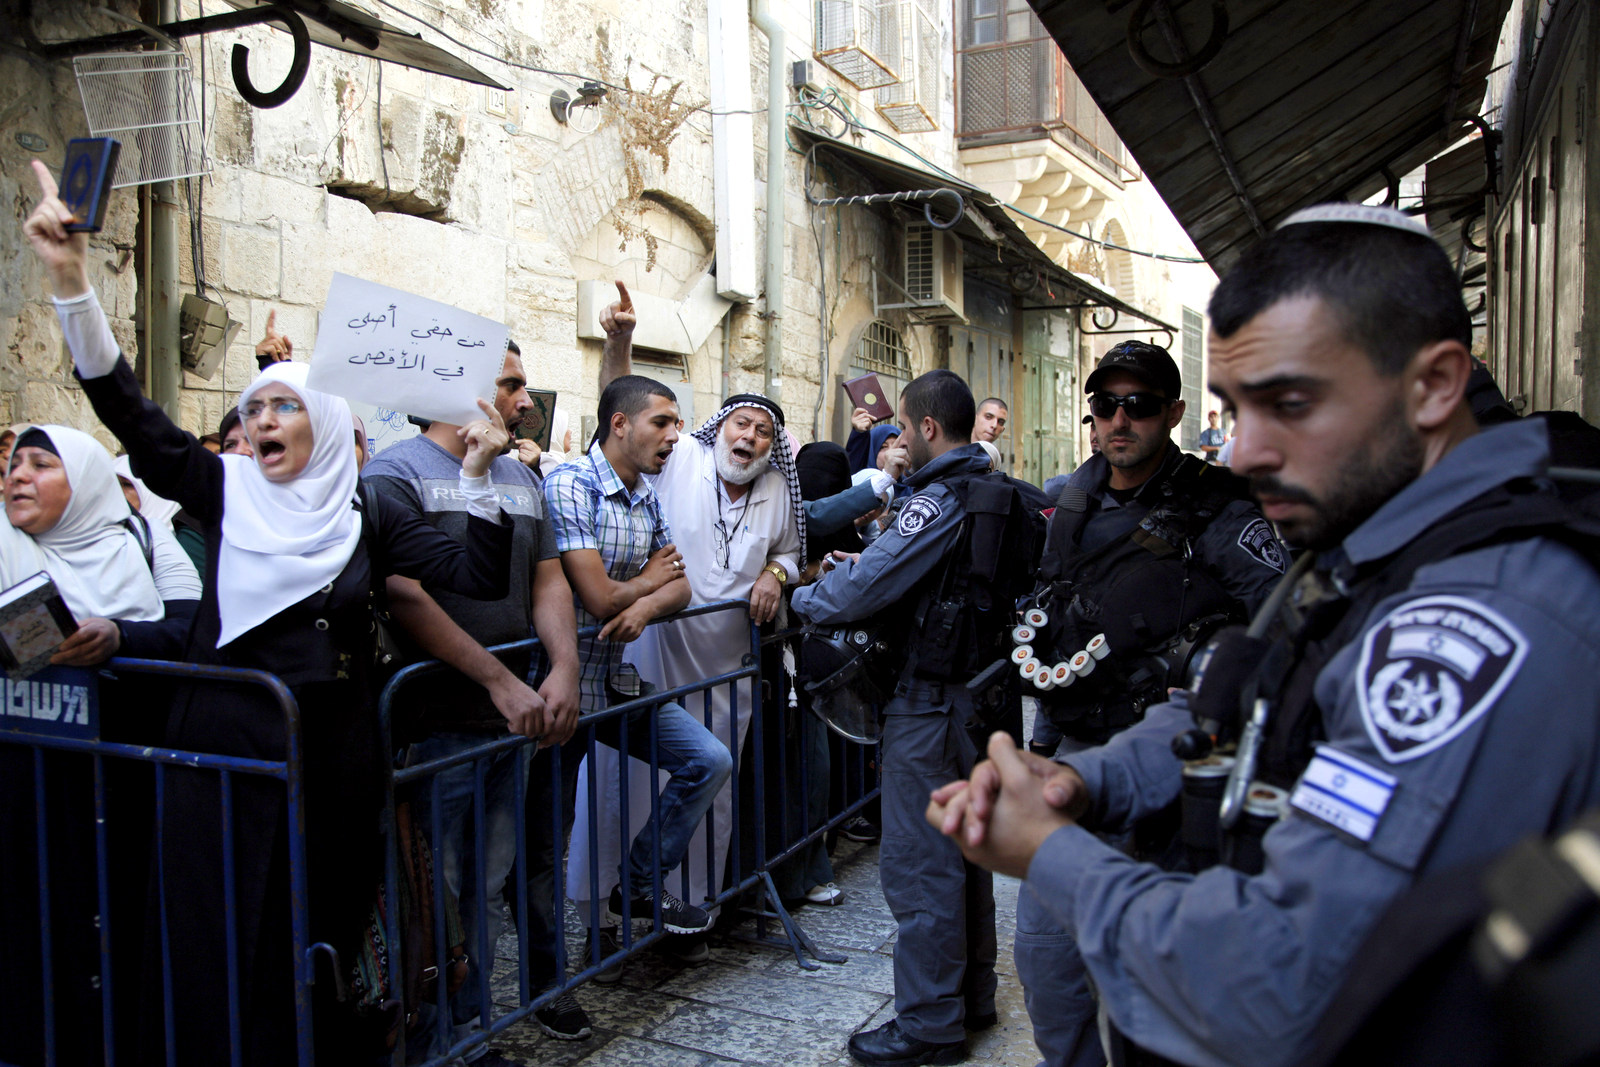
<point x="34" y="621"/>
<point x="865" y="392"/>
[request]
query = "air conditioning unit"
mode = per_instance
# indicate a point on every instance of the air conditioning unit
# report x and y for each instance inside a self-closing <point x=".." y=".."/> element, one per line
<point x="932" y="279"/>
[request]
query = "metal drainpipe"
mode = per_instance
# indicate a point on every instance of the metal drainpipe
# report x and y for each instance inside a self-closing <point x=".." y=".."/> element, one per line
<point x="777" y="96"/>
<point x="161" y="332"/>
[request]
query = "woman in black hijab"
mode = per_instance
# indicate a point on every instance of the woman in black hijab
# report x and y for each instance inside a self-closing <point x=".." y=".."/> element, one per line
<point x="832" y="502"/>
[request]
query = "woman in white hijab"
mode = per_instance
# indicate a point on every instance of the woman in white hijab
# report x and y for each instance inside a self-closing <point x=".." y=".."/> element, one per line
<point x="67" y="518"/>
<point x="293" y="569"/>
<point x="162" y="514"/>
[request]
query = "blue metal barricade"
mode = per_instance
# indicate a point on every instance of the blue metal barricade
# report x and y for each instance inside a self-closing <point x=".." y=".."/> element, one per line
<point x="54" y="716"/>
<point x="47" y="720"/>
<point x="419" y="783"/>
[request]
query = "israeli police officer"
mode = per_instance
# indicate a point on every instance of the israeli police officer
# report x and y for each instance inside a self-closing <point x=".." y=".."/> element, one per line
<point x="1149" y="550"/>
<point x="945" y="953"/>
<point x="1442" y="695"/>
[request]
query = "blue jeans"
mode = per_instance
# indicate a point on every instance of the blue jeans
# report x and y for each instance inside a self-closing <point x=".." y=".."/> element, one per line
<point x="699" y="765"/>
<point x="461" y="870"/>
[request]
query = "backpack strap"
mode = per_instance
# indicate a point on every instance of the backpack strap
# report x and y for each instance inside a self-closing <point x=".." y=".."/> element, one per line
<point x="139" y="527"/>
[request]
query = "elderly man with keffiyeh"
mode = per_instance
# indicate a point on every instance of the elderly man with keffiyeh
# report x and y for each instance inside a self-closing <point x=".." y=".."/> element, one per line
<point x="730" y="493"/>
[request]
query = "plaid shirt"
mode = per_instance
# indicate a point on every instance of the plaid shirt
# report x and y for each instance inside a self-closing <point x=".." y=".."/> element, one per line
<point x="590" y="508"/>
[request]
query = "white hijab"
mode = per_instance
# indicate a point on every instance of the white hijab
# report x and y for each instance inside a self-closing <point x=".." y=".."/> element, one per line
<point x="157" y="510"/>
<point x="283" y="541"/>
<point x="91" y="555"/>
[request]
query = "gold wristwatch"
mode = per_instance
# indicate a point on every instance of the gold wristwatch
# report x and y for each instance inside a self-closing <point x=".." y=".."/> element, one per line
<point x="777" y="571"/>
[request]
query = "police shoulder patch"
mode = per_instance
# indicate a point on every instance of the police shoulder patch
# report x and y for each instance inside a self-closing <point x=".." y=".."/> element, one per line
<point x="1263" y="545"/>
<point x="1429" y="669"/>
<point x="918" y="514"/>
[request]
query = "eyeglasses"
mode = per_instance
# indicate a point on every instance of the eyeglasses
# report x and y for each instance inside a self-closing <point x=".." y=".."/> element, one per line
<point x="281" y="408"/>
<point x="723" y="546"/>
<point x="1137" y="405"/>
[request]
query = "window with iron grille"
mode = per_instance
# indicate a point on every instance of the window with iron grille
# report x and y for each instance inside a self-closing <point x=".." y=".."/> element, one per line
<point x="881" y="351"/>
<point x="860" y="40"/>
<point x="912" y="105"/>
<point x="1012" y="78"/>
<point x="1193" y="368"/>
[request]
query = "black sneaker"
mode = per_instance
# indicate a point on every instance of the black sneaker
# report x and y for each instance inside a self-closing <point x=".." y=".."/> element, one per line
<point x="859" y="829"/>
<point x="690" y="949"/>
<point x="677" y="917"/>
<point x="564" y="1019"/>
<point x="610" y="945"/>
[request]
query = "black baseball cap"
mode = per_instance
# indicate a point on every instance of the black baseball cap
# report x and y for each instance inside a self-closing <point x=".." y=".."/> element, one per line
<point x="1149" y="363"/>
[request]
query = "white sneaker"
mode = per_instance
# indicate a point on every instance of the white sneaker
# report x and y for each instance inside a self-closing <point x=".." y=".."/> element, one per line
<point x="827" y="893"/>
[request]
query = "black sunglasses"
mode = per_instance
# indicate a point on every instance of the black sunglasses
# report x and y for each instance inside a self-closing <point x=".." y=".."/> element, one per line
<point x="1137" y="405"/>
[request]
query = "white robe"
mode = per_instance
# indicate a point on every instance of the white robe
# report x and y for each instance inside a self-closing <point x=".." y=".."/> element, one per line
<point x="687" y="651"/>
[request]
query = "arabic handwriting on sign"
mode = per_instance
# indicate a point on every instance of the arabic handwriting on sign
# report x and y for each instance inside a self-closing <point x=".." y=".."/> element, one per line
<point x="382" y="359"/>
<point x="368" y="319"/>
<point x="458" y="372"/>
<point x="470" y="344"/>
<point x="432" y="331"/>
<point x="408" y="360"/>
<point x="357" y="359"/>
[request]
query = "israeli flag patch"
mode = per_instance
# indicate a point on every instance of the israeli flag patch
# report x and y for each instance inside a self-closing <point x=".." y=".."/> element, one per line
<point x="1429" y="669"/>
<point x="1343" y="792"/>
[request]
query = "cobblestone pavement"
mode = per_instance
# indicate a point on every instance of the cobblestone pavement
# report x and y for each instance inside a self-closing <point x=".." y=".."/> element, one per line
<point x="751" y="1004"/>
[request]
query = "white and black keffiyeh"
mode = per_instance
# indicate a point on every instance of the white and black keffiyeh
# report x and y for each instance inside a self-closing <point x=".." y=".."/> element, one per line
<point x="782" y="460"/>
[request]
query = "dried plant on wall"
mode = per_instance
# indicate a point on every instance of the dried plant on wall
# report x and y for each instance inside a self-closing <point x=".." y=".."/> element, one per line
<point x="648" y="120"/>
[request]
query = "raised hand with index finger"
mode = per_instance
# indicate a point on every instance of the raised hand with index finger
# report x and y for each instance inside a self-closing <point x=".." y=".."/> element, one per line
<point x="618" y="317"/>
<point x="274" y="347"/>
<point x="64" y="255"/>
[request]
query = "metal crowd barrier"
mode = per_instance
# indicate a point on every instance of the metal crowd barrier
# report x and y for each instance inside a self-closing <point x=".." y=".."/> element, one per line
<point x="58" y="710"/>
<point x="442" y="1043"/>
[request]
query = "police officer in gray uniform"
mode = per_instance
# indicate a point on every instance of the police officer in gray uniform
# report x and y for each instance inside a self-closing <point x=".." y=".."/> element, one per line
<point x="944" y="957"/>
<point x="1459" y="715"/>
<point x="1145" y="543"/>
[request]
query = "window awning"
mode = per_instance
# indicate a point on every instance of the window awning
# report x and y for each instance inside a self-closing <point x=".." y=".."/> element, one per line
<point x="326" y="22"/>
<point x="1304" y="100"/>
<point x="999" y="251"/>
<point x="349" y="29"/>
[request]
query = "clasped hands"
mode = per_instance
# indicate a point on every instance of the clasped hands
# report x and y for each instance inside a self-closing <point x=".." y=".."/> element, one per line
<point x="1013" y="801"/>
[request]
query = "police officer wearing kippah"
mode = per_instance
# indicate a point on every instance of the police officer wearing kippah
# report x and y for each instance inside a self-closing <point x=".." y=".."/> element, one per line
<point x="1432" y="694"/>
<point x="1148" y="549"/>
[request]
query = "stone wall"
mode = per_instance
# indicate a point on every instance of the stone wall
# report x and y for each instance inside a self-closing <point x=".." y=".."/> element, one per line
<point x="40" y="105"/>
<point x="484" y="200"/>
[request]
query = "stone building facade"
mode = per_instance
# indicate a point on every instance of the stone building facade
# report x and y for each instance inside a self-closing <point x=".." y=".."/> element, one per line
<point x="498" y="203"/>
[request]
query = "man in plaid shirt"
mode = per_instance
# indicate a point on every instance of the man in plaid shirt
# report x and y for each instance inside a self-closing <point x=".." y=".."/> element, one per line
<point x="615" y="547"/>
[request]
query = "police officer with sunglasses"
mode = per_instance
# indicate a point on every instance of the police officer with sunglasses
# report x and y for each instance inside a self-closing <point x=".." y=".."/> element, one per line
<point x="1153" y="549"/>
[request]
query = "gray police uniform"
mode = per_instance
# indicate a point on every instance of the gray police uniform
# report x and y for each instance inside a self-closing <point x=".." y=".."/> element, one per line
<point x="1239" y="549"/>
<point x="944" y="955"/>
<point x="1465" y="717"/>
<point x="1238" y="546"/>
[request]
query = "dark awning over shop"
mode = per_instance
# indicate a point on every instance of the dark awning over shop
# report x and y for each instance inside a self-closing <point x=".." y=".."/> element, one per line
<point x="1305" y="101"/>
<point x="998" y="248"/>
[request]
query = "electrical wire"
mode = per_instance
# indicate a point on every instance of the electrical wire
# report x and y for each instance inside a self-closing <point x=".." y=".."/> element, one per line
<point x="831" y="100"/>
<point x="194" y="191"/>
<point x="383" y="155"/>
